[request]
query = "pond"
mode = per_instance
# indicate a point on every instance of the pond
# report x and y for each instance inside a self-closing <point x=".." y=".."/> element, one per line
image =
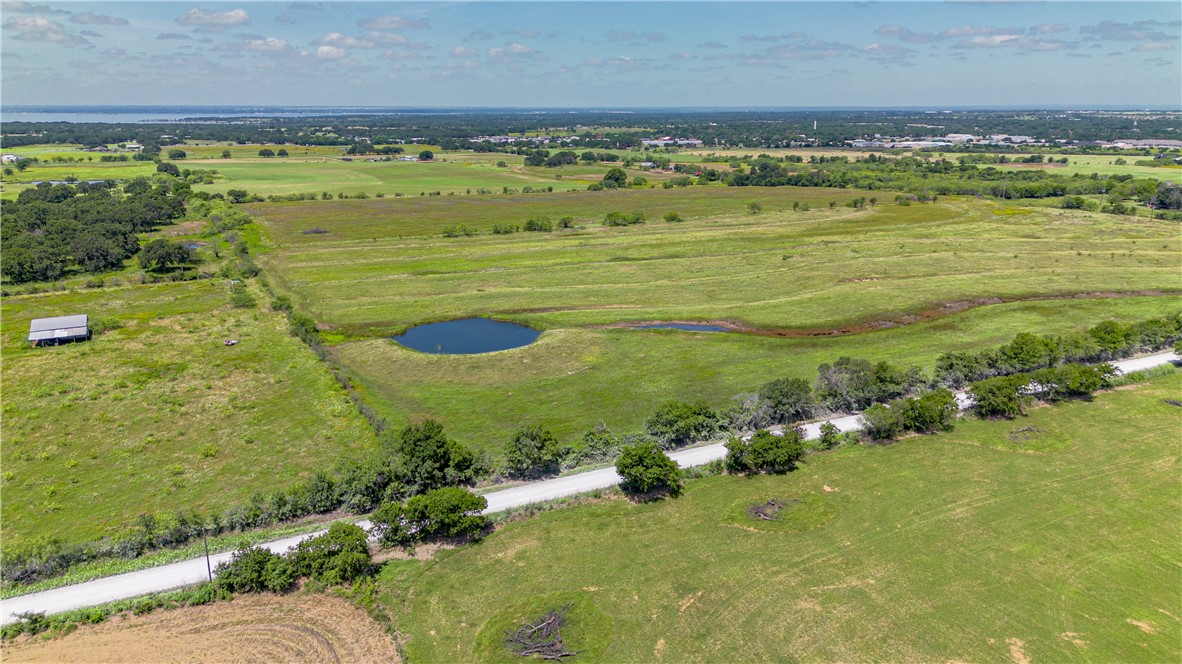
<point x="685" y="327"/>
<point x="467" y="336"/>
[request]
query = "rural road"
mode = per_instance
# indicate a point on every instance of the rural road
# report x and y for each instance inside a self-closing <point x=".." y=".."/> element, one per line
<point x="176" y="575"/>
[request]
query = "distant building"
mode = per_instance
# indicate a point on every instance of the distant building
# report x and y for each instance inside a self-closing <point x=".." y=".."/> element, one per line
<point x="9" y="159"/>
<point x="59" y="330"/>
<point x="669" y="140"/>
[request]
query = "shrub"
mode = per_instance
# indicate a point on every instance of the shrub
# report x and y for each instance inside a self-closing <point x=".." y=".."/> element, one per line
<point x="646" y="469"/>
<point x="765" y="452"/>
<point x="533" y="451"/>
<point x="1000" y="396"/>
<point x="338" y="556"/>
<point x="881" y="422"/>
<point x="427" y="459"/>
<point x="931" y="411"/>
<point x="678" y="423"/>
<point x="538" y="225"/>
<point x="789" y="399"/>
<point x="255" y="569"/>
<point x="830" y="436"/>
<point x="446" y="512"/>
<point x="621" y="219"/>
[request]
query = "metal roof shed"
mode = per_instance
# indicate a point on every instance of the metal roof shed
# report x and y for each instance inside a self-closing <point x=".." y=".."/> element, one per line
<point x="59" y="330"/>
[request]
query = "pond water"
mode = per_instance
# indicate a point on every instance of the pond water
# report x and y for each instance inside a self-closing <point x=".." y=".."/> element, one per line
<point x="467" y="336"/>
<point x="685" y="327"/>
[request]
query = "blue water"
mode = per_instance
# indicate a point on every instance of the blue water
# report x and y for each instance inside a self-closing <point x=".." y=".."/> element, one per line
<point x="467" y="336"/>
<point x="685" y="327"/>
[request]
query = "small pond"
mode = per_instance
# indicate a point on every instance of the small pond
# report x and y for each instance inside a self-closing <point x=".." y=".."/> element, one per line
<point x="467" y="336"/>
<point x="685" y="327"/>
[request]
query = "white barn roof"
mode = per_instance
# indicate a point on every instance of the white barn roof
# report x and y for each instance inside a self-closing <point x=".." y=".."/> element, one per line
<point x="59" y="327"/>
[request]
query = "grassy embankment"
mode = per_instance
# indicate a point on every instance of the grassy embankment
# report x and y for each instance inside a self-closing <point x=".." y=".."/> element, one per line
<point x="159" y="415"/>
<point x="1047" y="538"/>
<point x="382" y="266"/>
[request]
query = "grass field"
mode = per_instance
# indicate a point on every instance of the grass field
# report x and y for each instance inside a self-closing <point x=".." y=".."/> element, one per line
<point x="382" y="266"/>
<point x="572" y="378"/>
<point x="159" y="415"/>
<point x="262" y="628"/>
<point x="985" y="544"/>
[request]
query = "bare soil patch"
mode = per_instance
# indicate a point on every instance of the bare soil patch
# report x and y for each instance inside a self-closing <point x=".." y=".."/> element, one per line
<point x="255" y="628"/>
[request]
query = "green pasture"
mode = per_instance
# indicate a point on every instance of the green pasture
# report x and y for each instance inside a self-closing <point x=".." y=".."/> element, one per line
<point x="159" y="415"/>
<point x="95" y="170"/>
<point x="573" y="378"/>
<point x="778" y="269"/>
<point x="1102" y="164"/>
<point x="1053" y="544"/>
<point x="288" y="176"/>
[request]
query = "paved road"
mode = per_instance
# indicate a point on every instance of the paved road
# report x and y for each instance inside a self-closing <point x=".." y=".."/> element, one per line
<point x="167" y="577"/>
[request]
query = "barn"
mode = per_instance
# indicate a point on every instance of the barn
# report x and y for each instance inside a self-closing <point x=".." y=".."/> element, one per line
<point x="59" y="330"/>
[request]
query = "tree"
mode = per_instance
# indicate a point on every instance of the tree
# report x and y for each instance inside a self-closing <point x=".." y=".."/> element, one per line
<point x="426" y="155"/>
<point x="93" y="252"/>
<point x="255" y="569"/>
<point x="266" y="153"/>
<point x="639" y="181"/>
<point x="237" y="195"/>
<point x="754" y="208"/>
<point x="881" y="422"/>
<point x="673" y="217"/>
<point x="168" y="169"/>
<point x="447" y="512"/>
<point x="225" y="154"/>
<point x="160" y="254"/>
<point x="932" y="411"/>
<point x="830" y="436"/>
<point x="338" y="556"/>
<point x="282" y="152"/>
<point x="765" y="452"/>
<point x="427" y="459"/>
<point x="677" y="423"/>
<point x="646" y="469"/>
<point x="176" y="154"/>
<point x="790" y="399"/>
<point x="1000" y="396"/>
<point x="533" y="451"/>
<point x="615" y="178"/>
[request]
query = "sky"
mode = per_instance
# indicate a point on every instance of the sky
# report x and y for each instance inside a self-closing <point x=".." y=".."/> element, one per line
<point x="603" y="54"/>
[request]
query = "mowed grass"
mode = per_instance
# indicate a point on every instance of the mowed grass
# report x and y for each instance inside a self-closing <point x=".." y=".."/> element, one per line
<point x="573" y="378"/>
<point x="965" y="546"/>
<point x="159" y="415"/>
<point x="779" y="269"/>
<point x="1102" y="164"/>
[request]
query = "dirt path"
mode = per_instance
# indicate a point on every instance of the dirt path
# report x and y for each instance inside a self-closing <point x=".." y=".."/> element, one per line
<point x="254" y="628"/>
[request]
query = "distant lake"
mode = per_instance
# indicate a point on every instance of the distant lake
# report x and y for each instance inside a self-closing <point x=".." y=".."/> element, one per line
<point x="467" y="336"/>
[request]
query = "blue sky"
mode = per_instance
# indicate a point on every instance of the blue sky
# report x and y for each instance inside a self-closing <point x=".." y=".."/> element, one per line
<point x="577" y="54"/>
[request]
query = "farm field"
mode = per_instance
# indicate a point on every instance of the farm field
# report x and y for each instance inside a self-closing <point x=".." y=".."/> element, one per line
<point x="261" y="628"/>
<point x="1103" y="164"/>
<point x="267" y="177"/>
<point x="159" y="415"/>
<point x="779" y="269"/>
<point x="382" y="267"/>
<point x="1039" y="539"/>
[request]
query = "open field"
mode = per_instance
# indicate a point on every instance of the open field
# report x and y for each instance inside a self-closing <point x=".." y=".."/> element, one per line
<point x="1102" y="164"/>
<point x="778" y="269"/>
<point x="159" y="415"/>
<point x="572" y="378"/>
<point x="287" y="176"/>
<point x="253" y="628"/>
<point x="984" y="544"/>
<point x="382" y="267"/>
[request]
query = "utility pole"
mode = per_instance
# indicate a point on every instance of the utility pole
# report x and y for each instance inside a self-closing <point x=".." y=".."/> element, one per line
<point x="205" y="539"/>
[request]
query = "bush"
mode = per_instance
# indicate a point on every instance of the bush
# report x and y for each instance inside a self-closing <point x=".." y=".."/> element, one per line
<point x="338" y="556"/>
<point x="931" y="411"/>
<point x="999" y="397"/>
<point x="428" y="460"/>
<point x="789" y="399"/>
<point x="765" y="452"/>
<point x="446" y="512"/>
<point x="533" y="451"/>
<point x="255" y="569"/>
<point x="881" y="422"/>
<point x="646" y="469"/>
<point x="830" y="436"/>
<point x="621" y="219"/>
<point x="673" y="217"/>
<point x="538" y="225"/>
<point x="678" y="423"/>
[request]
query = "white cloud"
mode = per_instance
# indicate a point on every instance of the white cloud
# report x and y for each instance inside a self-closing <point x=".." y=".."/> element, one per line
<point x="1150" y="47"/>
<point x="331" y="53"/>
<point x="344" y="41"/>
<point x="41" y="29"/>
<point x="463" y="52"/>
<point x="379" y="37"/>
<point x="1048" y="28"/>
<point x="173" y="35"/>
<point x="265" y="45"/>
<point x="712" y="44"/>
<point x="19" y="7"/>
<point x="97" y="19"/>
<point x="393" y="23"/>
<point x="514" y="50"/>
<point x="682" y="55"/>
<point x="201" y="17"/>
